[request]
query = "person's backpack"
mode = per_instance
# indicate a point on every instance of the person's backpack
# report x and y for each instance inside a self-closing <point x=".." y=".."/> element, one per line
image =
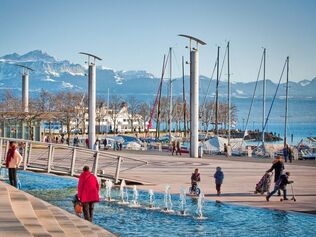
<point x="77" y="205"/>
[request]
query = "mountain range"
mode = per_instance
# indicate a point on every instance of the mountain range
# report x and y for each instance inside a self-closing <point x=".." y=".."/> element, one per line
<point x="56" y="75"/>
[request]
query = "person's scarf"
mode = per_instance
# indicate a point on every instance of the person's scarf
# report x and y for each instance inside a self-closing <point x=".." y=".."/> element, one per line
<point x="10" y="155"/>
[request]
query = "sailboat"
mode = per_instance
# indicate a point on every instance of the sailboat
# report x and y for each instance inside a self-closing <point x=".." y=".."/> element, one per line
<point x="217" y="143"/>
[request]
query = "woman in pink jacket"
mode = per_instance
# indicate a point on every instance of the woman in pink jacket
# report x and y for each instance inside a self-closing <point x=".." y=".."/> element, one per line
<point x="13" y="161"/>
<point x="88" y="192"/>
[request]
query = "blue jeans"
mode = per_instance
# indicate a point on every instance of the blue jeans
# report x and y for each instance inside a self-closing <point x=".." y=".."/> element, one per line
<point x="277" y="188"/>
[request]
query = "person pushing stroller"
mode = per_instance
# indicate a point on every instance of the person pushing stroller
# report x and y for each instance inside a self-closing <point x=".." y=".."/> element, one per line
<point x="278" y="167"/>
<point x="281" y="184"/>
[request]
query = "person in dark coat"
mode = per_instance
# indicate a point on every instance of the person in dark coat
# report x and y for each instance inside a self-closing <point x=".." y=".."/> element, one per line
<point x="286" y="152"/>
<point x="178" y="149"/>
<point x="278" y="167"/>
<point x="219" y="177"/>
<point x="105" y="142"/>
<point x="195" y="178"/>
<point x="173" y="144"/>
<point x="281" y="184"/>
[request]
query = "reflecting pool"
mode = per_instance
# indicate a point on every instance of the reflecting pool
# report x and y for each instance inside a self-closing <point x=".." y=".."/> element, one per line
<point x="124" y="220"/>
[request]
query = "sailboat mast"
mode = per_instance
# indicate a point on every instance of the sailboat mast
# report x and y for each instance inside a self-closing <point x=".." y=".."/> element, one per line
<point x="184" y="101"/>
<point x="216" y="96"/>
<point x="228" y="80"/>
<point x="159" y="95"/>
<point x="264" y="96"/>
<point x="170" y="93"/>
<point x="108" y="102"/>
<point x="286" y="99"/>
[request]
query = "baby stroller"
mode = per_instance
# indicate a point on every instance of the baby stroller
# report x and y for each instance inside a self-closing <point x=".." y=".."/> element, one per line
<point x="264" y="184"/>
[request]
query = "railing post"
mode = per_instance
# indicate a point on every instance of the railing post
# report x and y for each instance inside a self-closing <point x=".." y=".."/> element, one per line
<point x="6" y="147"/>
<point x="1" y="149"/>
<point x="118" y="167"/>
<point x="73" y="161"/>
<point x="25" y="156"/>
<point x="6" y="150"/>
<point x="95" y="164"/>
<point x="50" y="158"/>
<point x="28" y="151"/>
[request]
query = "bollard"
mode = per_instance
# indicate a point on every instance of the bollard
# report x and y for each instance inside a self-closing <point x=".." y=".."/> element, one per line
<point x="118" y="167"/>
<point x="73" y="161"/>
<point x="95" y="163"/>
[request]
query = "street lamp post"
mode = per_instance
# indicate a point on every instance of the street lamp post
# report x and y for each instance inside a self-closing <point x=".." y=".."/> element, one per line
<point x="25" y="87"/>
<point x="194" y="95"/>
<point x="91" y="97"/>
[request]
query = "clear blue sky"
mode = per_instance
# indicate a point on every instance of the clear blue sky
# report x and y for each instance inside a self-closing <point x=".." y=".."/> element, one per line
<point x="134" y="34"/>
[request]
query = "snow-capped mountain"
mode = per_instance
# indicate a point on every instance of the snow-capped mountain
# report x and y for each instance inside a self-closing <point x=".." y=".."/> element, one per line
<point x="55" y="75"/>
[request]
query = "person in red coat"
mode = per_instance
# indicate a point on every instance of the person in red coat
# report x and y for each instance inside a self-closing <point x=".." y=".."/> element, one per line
<point x="88" y="192"/>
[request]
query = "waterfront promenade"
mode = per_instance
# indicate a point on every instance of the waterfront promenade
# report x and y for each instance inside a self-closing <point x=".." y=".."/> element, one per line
<point x="25" y="215"/>
<point x="22" y="215"/>
<point x="241" y="176"/>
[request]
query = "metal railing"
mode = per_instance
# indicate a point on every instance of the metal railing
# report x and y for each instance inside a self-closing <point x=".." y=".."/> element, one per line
<point x="69" y="160"/>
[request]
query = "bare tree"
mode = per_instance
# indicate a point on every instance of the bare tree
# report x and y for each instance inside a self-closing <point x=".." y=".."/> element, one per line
<point x="144" y="112"/>
<point x="206" y="112"/>
<point x="68" y="112"/>
<point x="177" y="112"/>
<point x="133" y="106"/>
<point x="115" y="106"/>
<point x="100" y="112"/>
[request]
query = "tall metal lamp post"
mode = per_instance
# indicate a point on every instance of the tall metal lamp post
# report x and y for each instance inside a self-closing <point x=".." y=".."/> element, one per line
<point x="25" y="87"/>
<point x="194" y="94"/>
<point x="91" y="96"/>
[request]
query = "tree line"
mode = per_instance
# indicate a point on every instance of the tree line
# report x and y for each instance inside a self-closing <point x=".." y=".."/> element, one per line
<point x="70" y="108"/>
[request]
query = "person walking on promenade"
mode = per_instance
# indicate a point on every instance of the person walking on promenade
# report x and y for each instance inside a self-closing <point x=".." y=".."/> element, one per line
<point x="173" y="146"/>
<point x="178" y="151"/>
<point x="13" y="161"/>
<point x="286" y="152"/>
<point x="105" y="142"/>
<point x="219" y="177"/>
<point x="278" y="167"/>
<point x="88" y="192"/>
<point x="225" y="149"/>
<point x="281" y="184"/>
<point x="291" y="154"/>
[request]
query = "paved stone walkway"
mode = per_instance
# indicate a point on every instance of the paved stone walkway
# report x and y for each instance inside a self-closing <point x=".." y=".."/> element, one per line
<point x="241" y="176"/>
<point x="21" y="215"/>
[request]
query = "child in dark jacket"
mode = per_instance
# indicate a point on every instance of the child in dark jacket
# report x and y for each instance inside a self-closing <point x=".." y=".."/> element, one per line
<point x="219" y="177"/>
<point x="281" y="185"/>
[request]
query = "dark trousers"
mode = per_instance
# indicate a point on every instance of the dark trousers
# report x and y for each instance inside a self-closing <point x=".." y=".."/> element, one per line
<point x="12" y="176"/>
<point x="218" y="188"/>
<point x="88" y="210"/>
